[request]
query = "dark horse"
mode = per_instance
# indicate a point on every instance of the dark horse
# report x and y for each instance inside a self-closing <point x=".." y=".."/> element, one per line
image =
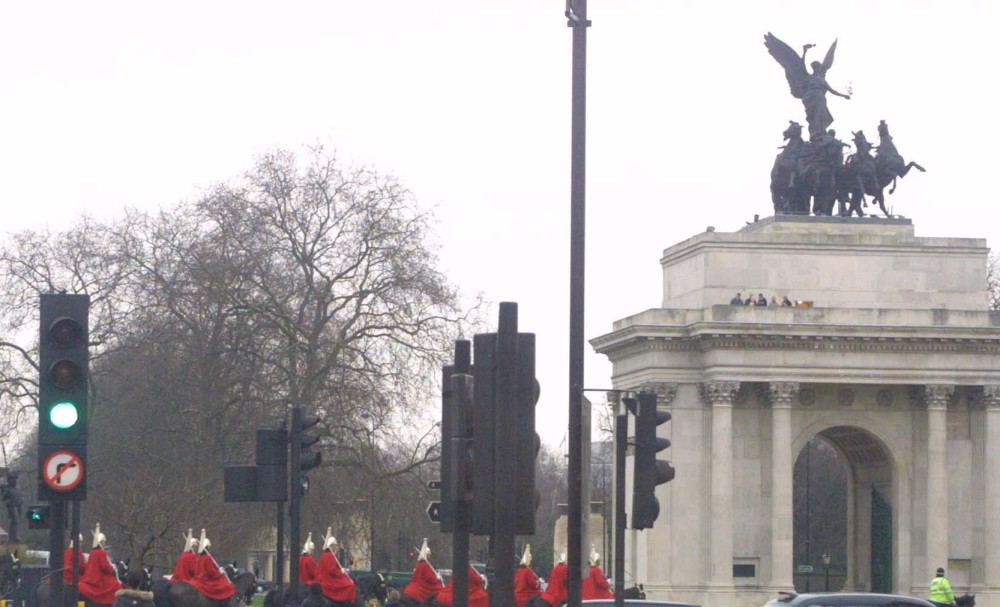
<point x="866" y="174"/>
<point x="43" y="589"/>
<point x="182" y="594"/>
<point x="966" y="600"/>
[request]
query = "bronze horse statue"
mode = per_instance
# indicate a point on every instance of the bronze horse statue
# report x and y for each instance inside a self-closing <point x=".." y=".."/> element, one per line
<point x="867" y="174"/>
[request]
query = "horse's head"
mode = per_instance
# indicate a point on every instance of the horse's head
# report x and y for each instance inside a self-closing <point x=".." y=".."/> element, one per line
<point x="247" y="586"/>
<point x="793" y="132"/>
<point x="966" y="600"/>
<point x="121" y="570"/>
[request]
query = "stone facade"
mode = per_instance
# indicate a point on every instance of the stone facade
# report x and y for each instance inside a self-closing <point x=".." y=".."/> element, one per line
<point x="891" y="355"/>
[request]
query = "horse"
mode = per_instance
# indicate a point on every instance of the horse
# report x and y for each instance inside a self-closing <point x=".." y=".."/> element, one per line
<point x="182" y="594"/>
<point x="867" y="174"/>
<point x="43" y="590"/>
<point x="889" y="162"/>
<point x="966" y="600"/>
<point x="787" y="192"/>
<point x="806" y="170"/>
<point x="372" y="586"/>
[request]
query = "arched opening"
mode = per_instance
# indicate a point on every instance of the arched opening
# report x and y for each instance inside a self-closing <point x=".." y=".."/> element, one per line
<point x="842" y="500"/>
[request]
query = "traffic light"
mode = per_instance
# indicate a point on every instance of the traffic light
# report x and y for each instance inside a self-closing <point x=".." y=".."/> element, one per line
<point x="648" y="471"/>
<point x="63" y="394"/>
<point x="505" y="444"/>
<point x="523" y="452"/>
<point x="302" y="458"/>
<point x="38" y="517"/>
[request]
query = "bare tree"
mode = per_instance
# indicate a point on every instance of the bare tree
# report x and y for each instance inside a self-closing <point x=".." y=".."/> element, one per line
<point x="299" y="283"/>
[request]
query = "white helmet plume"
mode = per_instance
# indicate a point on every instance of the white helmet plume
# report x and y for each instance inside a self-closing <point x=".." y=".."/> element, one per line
<point x="562" y="557"/>
<point x="526" y="557"/>
<point x="425" y="551"/>
<point x="309" y="546"/>
<point x="203" y="542"/>
<point x="99" y="538"/>
<point x="595" y="557"/>
<point x="189" y="541"/>
<point x="328" y="540"/>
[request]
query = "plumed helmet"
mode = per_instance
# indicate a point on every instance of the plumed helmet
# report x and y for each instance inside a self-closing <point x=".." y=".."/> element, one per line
<point x="595" y="557"/>
<point x="562" y="557"/>
<point x="526" y="557"/>
<point x="203" y="542"/>
<point x="99" y="539"/>
<point x="308" y="546"/>
<point x="329" y="542"/>
<point x="425" y="551"/>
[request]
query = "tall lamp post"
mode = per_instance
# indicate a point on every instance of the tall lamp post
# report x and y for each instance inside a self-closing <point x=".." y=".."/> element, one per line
<point x="371" y="498"/>
<point x="826" y="572"/>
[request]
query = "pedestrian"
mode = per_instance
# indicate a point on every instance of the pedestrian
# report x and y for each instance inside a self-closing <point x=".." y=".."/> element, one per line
<point x="393" y="600"/>
<point x="315" y="598"/>
<point x="941" y="593"/>
<point x="736" y="301"/>
<point x="131" y="595"/>
<point x="761" y="300"/>
<point x="786" y="302"/>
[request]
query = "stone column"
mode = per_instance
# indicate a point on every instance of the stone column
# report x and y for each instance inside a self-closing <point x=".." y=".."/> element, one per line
<point x="782" y="394"/>
<point x="991" y="524"/>
<point x="936" y="396"/>
<point x="720" y="395"/>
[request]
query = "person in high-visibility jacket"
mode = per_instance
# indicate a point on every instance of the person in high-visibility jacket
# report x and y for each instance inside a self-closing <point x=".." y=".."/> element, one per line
<point x="941" y="593"/>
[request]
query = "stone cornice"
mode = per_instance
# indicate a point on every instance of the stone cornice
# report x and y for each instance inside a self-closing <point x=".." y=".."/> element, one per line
<point x="763" y="340"/>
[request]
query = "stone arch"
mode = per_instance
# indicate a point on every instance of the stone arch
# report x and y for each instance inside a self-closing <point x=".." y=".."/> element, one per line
<point x="873" y="456"/>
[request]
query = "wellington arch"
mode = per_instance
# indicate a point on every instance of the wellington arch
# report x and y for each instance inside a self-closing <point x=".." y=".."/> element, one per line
<point x="889" y="354"/>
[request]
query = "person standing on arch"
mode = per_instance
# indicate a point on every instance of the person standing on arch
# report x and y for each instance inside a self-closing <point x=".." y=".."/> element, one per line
<point x="941" y="593"/>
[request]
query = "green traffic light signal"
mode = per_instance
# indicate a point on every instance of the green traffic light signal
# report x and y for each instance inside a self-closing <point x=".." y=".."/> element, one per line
<point x="64" y="415"/>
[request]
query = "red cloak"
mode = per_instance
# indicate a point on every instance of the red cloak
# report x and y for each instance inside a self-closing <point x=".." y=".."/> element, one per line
<point x="596" y="586"/>
<point x="99" y="581"/>
<point x="186" y="567"/>
<point x="525" y="585"/>
<point x="68" y="566"/>
<point x="478" y="596"/>
<point x="424" y="583"/>
<point x="556" y="591"/>
<point x="308" y="569"/>
<point x="337" y="585"/>
<point x="209" y="581"/>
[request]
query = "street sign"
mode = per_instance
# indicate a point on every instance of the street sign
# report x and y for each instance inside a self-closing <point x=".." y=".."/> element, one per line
<point x="62" y="470"/>
<point x="804" y="569"/>
<point x="434" y="485"/>
<point x="434" y="512"/>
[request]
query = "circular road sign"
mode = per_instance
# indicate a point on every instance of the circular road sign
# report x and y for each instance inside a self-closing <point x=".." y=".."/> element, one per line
<point x="62" y="470"/>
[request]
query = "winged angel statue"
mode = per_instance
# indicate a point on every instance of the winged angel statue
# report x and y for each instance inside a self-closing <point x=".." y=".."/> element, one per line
<point x="810" y="88"/>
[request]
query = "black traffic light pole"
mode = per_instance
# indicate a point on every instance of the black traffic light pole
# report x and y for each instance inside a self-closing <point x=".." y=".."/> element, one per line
<point x="295" y="501"/>
<point x="576" y="13"/>
<point x="458" y="409"/>
<point x="621" y="442"/>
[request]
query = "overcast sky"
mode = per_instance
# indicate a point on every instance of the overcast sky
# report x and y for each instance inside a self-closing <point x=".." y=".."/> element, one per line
<point x="108" y="105"/>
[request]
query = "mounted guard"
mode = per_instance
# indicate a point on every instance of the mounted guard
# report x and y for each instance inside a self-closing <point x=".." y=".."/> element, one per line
<point x="99" y="581"/>
<point x="596" y="586"/>
<point x="526" y="584"/>
<point x="338" y="587"/>
<point x="425" y="582"/>
<point x="308" y="568"/>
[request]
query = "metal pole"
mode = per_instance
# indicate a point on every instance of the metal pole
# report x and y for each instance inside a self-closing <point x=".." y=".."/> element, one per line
<point x="279" y="577"/>
<point x="459" y="418"/>
<point x="621" y="439"/>
<point x="295" y="501"/>
<point x="576" y="13"/>
<point x="502" y="594"/>
<point x="74" y="590"/>
<point x="56" y="548"/>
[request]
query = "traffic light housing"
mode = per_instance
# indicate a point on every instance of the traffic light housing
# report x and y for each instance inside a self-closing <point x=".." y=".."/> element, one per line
<point x="38" y="517"/>
<point x="648" y="471"/>
<point x="505" y="444"/>
<point x="303" y="459"/>
<point x="63" y="395"/>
